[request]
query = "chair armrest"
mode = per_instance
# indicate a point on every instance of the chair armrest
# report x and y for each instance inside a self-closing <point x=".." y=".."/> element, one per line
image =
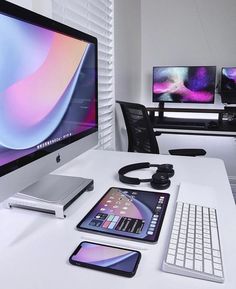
<point x="157" y="133"/>
<point x="188" y="152"/>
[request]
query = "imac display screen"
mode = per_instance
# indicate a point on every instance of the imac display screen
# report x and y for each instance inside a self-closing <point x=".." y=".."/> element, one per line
<point x="193" y="84"/>
<point x="48" y="88"/>
<point x="228" y="81"/>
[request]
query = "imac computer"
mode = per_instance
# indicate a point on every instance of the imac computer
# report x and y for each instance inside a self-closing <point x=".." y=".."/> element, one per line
<point x="183" y="84"/>
<point x="228" y="85"/>
<point x="48" y="105"/>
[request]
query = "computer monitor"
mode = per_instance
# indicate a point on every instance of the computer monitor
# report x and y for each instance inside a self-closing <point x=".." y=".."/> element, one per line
<point x="184" y="84"/>
<point x="228" y="85"/>
<point x="48" y="96"/>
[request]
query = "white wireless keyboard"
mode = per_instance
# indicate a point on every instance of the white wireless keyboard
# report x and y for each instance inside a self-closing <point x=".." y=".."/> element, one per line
<point x="194" y="246"/>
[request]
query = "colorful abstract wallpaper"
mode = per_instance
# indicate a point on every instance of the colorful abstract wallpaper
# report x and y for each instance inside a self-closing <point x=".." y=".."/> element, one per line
<point x="47" y="87"/>
<point x="228" y="80"/>
<point x="109" y="257"/>
<point x="194" y="84"/>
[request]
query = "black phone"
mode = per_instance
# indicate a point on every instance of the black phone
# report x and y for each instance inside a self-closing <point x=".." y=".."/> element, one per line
<point x="106" y="258"/>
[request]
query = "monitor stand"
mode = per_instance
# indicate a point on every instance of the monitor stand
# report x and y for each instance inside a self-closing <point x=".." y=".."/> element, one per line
<point x="52" y="194"/>
<point x="161" y="111"/>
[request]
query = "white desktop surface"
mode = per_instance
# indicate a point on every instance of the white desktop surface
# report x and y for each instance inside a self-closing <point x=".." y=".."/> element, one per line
<point x="35" y="247"/>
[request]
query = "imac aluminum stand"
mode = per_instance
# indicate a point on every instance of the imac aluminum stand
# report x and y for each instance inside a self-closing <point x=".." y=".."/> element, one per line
<point x="52" y="194"/>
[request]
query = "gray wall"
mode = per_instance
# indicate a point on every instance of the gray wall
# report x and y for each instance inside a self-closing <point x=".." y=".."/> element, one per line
<point x="127" y="29"/>
<point x="24" y="3"/>
<point x="186" y="32"/>
<point x="43" y="7"/>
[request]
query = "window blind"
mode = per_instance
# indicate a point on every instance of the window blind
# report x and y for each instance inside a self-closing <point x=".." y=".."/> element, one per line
<point x="95" y="17"/>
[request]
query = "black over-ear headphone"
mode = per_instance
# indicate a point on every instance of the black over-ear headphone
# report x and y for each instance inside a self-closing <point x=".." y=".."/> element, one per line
<point x="160" y="180"/>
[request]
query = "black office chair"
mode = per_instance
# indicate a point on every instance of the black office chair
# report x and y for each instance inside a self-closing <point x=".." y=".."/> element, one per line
<point x="141" y="136"/>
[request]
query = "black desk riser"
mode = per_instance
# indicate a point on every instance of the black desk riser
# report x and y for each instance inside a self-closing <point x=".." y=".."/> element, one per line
<point x="216" y="127"/>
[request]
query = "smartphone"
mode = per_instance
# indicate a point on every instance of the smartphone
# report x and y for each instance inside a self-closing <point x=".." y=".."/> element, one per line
<point x="106" y="258"/>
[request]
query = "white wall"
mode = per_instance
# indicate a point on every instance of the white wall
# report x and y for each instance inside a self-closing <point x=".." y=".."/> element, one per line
<point x="127" y="31"/>
<point x="127" y="15"/>
<point x="24" y="3"/>
<point x="186" y="32"/>
<point x="43" y="7"/>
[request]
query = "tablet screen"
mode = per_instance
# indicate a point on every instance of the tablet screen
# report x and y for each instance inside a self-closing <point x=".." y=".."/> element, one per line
<point x="128" y="213"/>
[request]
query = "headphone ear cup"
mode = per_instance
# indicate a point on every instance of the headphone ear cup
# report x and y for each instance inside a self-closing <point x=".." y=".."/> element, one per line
<point x="171" y="173"/>
<point x="160" y="181"/>
<point x="166" y="168"/>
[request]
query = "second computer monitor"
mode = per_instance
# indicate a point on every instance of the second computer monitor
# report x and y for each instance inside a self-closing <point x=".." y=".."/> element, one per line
<point x="188" y="84"/>
<point x="228" y="85"/>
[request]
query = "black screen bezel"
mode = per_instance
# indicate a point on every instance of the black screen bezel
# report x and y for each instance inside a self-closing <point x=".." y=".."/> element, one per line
<point x="106" y="269"/>
<point x="167" y="196"/>
<point x="189" y="66"/>
<point x="28" y="16"/>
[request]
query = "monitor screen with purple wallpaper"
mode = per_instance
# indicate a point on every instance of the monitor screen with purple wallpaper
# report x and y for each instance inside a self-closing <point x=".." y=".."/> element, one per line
<point x="228" y="85"/>
<point x="188" y="84"/>
<point x="48" y="93"/>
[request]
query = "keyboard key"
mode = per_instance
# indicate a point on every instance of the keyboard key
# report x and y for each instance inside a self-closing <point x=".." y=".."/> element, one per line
<point x="189" y="250"/>
<point x="217" y="266"/>
<point x="198" y="257"/>
<point x="180" y="257"/>
<point x="171" y="252"/>
<point x="179" y="263"/>
<point x="216" y="260"/>
<point x="208" y="251"/>
<point x="206" y="245"/>
<point x="190" y="240"/>
<point x="215" y="240"/>
<point x="205" y="210"/>
<point x="216" y="253"/>
<point x="190" y="245"/>
<point x="198" y="265"/>
<point x="170" y="259"/>
<point x="198" y="251"/>
<point x="189" y="264"/>
<point x="189" y="256"/>
<point x="207" y="266"/>
<point x="174" y="237"/>
<point x="172" y="246"/>
<point x="180" y="251"/>
<point x="207" y="256"/>
<point x="173" y="241"/>
<point x="198" y="246"/>
<point x="181" y="245"/>
<point x="218" y="273"/>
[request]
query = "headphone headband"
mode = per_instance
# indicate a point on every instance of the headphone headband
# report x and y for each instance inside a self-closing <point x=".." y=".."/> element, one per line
<point x="132" y="167"/>
<point x="162" y="175"/>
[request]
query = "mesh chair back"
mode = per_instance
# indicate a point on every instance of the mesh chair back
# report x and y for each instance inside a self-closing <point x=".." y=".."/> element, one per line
<point x="141" y="137"/>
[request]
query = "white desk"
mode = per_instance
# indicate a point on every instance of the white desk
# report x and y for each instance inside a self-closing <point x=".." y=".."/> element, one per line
<point x="35" y="247"/>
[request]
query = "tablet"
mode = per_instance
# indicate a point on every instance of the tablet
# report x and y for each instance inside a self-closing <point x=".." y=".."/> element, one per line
<point x="127" y="213"/>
